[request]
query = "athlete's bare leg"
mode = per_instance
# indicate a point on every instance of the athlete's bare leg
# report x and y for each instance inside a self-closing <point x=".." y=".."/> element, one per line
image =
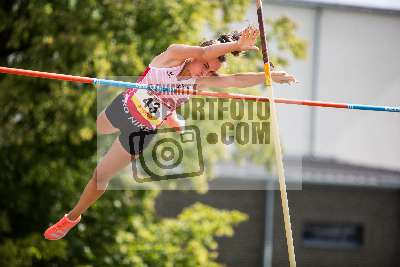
<point x="114" y="160"/>
<point x="103" y="125"/>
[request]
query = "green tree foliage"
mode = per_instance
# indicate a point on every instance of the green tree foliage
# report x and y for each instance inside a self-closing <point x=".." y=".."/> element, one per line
<point x="183" y="241"/>
<point x="48" y="138"/>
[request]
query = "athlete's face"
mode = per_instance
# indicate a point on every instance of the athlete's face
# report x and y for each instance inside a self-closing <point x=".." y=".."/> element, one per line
<point x="199" y="68"/>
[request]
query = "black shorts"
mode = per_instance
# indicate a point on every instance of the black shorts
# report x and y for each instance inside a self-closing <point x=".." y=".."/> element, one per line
<point x="133" y="138"/>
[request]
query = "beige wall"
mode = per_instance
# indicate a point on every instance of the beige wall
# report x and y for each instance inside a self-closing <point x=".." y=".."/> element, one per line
<point x="294" y="120"/>
<point x="359" y="63"/>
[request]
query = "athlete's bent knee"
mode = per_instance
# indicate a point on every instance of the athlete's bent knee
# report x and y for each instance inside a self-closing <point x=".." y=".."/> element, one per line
<point x="101" y="178"/>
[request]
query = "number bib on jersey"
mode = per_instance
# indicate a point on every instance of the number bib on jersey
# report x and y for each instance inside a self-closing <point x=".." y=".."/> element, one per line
<point x="148" y="106"/>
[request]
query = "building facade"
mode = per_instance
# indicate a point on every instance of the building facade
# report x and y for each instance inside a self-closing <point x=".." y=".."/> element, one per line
<point x="345" y="215"/>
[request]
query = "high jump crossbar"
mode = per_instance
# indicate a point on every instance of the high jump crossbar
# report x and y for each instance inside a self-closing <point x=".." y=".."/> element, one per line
<point x="121" y="84"/>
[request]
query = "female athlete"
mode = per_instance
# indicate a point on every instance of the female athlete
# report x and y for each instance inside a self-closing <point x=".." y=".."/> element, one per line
<point x="180" y="66"/>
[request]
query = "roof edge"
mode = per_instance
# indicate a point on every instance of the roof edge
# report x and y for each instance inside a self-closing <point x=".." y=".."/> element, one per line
<point x="392" y="9"/>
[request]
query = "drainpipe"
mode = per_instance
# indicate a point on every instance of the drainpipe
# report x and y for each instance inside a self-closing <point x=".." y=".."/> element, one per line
<point x="315" y="78"/>
<point x="269" y="223"/>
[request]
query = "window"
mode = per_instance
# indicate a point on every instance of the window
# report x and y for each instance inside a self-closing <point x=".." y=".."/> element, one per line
<point x="333" y="235"/>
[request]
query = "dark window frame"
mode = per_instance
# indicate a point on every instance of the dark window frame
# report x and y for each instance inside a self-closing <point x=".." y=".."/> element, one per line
<point x="332" y="235"/>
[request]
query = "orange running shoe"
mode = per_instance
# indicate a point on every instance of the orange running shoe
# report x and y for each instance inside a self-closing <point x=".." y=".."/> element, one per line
<point x="61" y="228"/>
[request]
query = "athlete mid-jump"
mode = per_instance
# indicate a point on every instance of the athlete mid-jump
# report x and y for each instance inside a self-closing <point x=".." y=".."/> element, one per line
<point x="184" y="66"/>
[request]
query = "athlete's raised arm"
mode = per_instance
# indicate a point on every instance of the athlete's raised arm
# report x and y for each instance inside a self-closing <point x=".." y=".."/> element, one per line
<point x="245" y="41"/>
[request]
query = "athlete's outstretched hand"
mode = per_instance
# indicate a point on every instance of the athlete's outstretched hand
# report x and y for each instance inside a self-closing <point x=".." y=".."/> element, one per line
<point x="283" y="77"/>
<point x="248" y="38"/>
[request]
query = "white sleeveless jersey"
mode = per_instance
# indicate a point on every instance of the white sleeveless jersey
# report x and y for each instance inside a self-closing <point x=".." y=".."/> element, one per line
<point x="149" y="108"/>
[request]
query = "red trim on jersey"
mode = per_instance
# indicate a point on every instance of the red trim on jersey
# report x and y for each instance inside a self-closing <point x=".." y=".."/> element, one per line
<point x="131" y="107"/>
<point x="143" y="75"/>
